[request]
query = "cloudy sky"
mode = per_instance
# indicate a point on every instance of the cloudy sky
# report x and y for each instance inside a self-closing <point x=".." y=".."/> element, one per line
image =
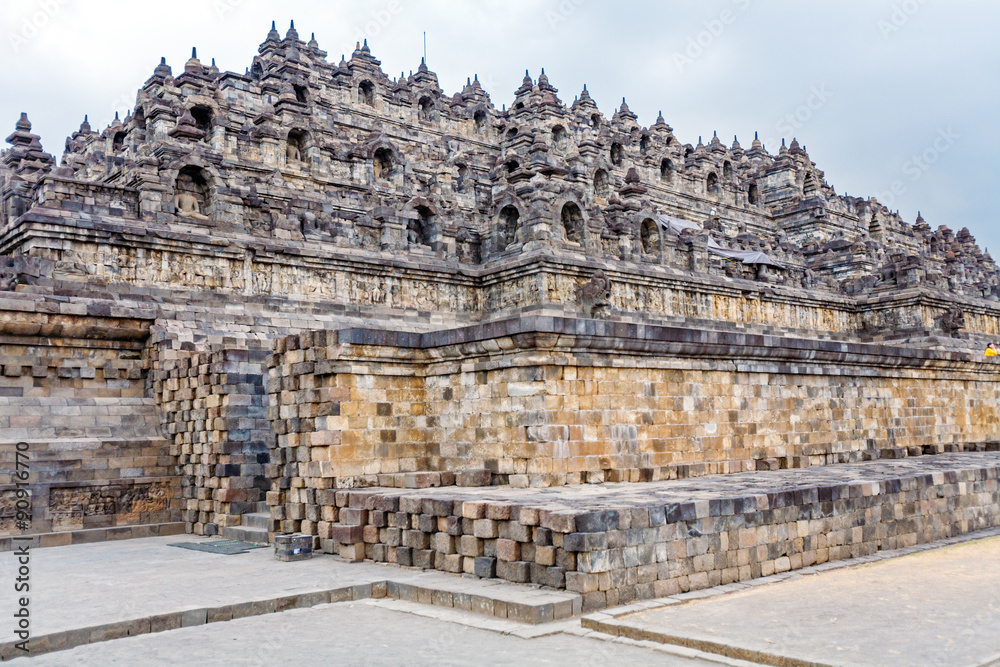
<point x="897" y="99"/>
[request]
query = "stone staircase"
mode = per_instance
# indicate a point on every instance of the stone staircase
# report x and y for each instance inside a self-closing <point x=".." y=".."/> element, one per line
<point x="253" y="526"/>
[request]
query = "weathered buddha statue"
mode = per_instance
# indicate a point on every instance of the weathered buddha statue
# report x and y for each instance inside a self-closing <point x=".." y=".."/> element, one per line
<point x="188" y="206"/>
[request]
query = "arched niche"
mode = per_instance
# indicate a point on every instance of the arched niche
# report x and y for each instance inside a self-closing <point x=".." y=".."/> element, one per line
<point x="426" y="110"/>
<point x="383" y="163"/>
<point x="572" y="223"/>
<point x="366" y="93"/>
<point x="559" y="137"/>
<point x="617" y="154"/>
<point x="421" y="226"/>
<point x="712" y="183"/>
<point x="507" y="226"/>
<point x="301" y="93"/>
<point x="295" y="150"/>
<point x="602" y="184"/>
<point x="666" y="170"/>
<point x="191" y="193"/>
<point x="479" y="121"/>
<point x="650" y="236"/>
<point x="202" y="118"/>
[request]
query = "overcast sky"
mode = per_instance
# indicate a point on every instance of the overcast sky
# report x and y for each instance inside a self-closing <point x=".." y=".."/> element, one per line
<point x="886" y="95"/>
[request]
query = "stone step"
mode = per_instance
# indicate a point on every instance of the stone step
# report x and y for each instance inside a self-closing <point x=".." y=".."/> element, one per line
<point x="255" y="520"/>
<point x="245" y="534"/>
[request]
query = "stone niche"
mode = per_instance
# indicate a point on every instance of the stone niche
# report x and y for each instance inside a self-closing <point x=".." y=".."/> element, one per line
<point x="192" y="198"/>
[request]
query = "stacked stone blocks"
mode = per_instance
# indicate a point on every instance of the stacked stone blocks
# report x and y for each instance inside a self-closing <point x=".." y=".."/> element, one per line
<point x="213" y="406"/>
<point x="639" y="548"/>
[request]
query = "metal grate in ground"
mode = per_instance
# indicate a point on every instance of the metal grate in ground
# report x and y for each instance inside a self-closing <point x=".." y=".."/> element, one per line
<point x="223" y="547"/>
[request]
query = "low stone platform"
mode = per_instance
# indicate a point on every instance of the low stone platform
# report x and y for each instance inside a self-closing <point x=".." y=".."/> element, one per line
<point x="615" y="543"/>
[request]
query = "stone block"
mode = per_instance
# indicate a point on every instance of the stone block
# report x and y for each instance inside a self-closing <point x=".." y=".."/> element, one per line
<point x="485" y="567"/>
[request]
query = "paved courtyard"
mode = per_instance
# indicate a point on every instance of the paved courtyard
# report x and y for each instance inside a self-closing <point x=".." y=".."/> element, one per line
<point x="936" y="607"/>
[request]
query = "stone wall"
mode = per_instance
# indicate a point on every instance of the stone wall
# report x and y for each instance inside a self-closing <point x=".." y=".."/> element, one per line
<point x="188" y="267"/>
<point x="212" y="408"/>
<point x="550" y="401"/>
<point x="72" y="390"/>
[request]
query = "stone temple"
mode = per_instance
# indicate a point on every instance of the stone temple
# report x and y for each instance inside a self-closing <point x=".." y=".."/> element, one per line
<point x="540" y="342"/>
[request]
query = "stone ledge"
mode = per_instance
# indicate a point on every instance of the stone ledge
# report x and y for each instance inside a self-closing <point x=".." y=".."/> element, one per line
<point x="561" y="334"/>
<point x="88" y="535"/>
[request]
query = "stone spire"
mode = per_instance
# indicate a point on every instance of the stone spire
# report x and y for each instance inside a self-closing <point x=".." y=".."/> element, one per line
<point x="526" y="85"/>
<point x="624" y="113"/>
<point x="273" y="35"/>
<point x="163" y="69"/>
<point x="585" y="101"/>
<point x="193" y="65"/>
<point x="543" y="83"/>
<point x="26" y="154"/>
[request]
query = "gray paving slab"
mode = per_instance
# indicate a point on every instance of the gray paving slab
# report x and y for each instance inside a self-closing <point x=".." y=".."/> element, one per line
<point x="355" y="633"/>
<point x="87" y="585"/>
<point x="939" y="607"/>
